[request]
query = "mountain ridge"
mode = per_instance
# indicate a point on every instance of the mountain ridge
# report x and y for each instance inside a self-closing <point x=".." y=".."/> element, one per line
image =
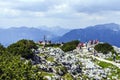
<point x="12" y="35"/>
<point x="103" y="32"/>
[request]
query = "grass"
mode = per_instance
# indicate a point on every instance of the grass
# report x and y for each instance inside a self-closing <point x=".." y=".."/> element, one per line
<point x="61" y="68"/>
<point x="53" y="45"/>
<point x="104" y="64"/>
<point x="85" y="77"/>
<point x="46" y="74"/>
<point x="67" y="76"/>
<point x="51" y="59"/>
<point x="114" y="70"/>
<point x="117" y="57"/>
<point x="41" y="54"/>
<point x="111" y="58"/>
<point x="80" y="63"/>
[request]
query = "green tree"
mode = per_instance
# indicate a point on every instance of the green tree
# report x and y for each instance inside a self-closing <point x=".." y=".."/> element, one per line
<point x="12" y="68"/>
<point x="23" y="47"/>
<point x="2" y="48"/>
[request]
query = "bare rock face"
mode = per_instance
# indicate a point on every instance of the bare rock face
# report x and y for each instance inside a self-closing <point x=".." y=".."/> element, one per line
<point x="79" y="64"/>
<point x="36" y="60"/>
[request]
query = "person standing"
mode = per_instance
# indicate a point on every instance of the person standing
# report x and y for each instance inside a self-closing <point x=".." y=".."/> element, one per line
<point x="114" y="57"/>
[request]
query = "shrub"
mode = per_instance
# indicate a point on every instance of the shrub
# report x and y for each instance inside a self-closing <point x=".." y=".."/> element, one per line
<point x="12" y="68"/>
<point x="52" y="45"/>
<point x="104" y="48"/>
<point x="2" y="48"/>
<point x="23" y="47"/>
<point x="69" y="46"/>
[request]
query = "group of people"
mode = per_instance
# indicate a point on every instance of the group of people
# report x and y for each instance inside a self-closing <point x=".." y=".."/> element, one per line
<point x="87" y="44"/>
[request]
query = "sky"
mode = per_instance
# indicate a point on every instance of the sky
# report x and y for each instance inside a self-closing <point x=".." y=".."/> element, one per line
<point x="63" y="13"/>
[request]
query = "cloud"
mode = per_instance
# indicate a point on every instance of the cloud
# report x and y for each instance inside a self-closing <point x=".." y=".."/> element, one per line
<point x="76" y="5"/>
<point x="93" y="6"/>
<point x="77" y="13"/>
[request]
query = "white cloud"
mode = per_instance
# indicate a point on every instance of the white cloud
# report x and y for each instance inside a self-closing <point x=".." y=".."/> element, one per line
<point x="9" y="13"/>
<point x="69" y="13"/>
<point x="93" y="6"/>
<point x="32" y="0"/>
<point x="60" y="8"/>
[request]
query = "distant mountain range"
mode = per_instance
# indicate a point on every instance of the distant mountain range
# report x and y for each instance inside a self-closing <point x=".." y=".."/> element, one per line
<point x="11" y="35"/>
<point x="57" y="30"/>
<point x="105" y="32"/>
